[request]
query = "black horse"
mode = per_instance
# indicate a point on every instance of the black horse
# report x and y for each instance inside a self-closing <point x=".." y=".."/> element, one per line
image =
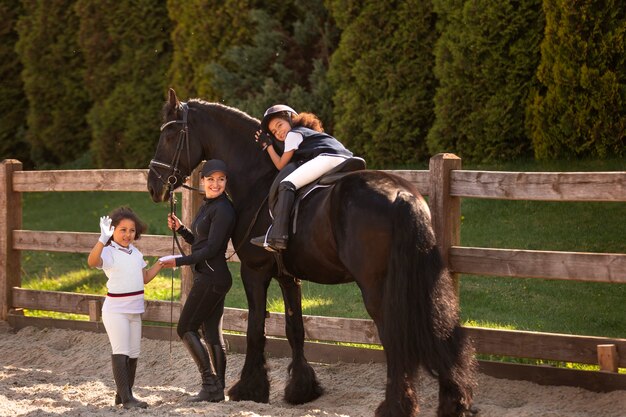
<point x="371" y="227"/>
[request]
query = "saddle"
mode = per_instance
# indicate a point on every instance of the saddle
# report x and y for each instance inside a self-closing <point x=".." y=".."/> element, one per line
<point x="327" y="180"/>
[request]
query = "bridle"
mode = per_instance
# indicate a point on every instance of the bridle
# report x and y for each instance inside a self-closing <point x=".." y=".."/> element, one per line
<point x="183" y="142"/>
<point x="172" y="180"/>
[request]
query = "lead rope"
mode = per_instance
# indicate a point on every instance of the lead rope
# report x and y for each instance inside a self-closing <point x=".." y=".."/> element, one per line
<point x="175" y="241"/>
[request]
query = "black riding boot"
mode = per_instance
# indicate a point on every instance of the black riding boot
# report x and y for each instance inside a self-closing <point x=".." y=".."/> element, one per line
<point x="121" y="374"/>
<point x="212" y="389"/>
<point x="132" y="370"/>
<point x="279" y="232"/>
<point x="218" y="353"/>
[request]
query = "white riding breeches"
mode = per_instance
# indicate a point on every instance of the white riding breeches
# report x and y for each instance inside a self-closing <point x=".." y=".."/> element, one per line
<point x="313" y="169"/>
<point x="124" y="330"/>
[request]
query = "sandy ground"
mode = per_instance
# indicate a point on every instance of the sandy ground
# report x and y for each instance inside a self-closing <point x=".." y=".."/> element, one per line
<point x="54" y="372"/>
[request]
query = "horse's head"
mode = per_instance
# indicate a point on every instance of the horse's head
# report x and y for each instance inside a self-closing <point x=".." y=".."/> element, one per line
<point x="176" y="156"/>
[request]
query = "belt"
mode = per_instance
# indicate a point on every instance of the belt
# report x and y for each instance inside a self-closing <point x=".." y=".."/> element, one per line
<point x="126" y="294"/>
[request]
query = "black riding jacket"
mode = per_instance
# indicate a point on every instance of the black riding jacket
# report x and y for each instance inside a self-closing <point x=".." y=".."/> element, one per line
<point x="209" y="234"/>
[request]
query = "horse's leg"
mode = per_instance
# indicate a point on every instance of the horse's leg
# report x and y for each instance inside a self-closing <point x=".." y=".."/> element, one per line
<point x="303" y="385"/>
<point x="253" y="385"/>
<point x="455" y="371"/>
<point x="400" y="392"/>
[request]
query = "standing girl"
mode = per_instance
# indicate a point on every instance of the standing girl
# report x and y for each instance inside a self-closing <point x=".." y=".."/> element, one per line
<point x="124" y="267"/>
<point x="204" y="308"/>
<point x="306" y="144"/>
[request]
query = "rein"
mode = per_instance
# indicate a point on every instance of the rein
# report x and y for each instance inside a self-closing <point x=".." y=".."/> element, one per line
<point x="252" y="223"/>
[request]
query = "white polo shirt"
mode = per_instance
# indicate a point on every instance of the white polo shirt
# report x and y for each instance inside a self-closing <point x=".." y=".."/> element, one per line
<point x="124" y="270"/>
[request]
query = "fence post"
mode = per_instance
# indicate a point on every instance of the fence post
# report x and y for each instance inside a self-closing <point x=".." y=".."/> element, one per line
<point x="10" y="219"/>
<point x="191" y="202"/>
<point x="445" y="210"/>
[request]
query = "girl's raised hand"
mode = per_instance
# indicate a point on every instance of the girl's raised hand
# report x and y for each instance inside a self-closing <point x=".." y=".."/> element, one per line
<point x="106" y="230"/>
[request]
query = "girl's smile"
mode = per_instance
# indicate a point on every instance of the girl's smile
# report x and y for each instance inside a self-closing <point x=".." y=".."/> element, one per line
<point x="279" y="128"/>
<point x="124" y="233"/>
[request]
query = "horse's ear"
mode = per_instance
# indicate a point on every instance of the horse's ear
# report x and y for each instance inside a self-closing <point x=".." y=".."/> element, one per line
<point x="173" y="100"/>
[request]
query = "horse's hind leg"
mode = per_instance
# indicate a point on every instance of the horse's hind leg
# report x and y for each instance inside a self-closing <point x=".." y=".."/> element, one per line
<point x="400" y="395"/>
<point x="456" y="376"/>
<point x="303" y="385"/>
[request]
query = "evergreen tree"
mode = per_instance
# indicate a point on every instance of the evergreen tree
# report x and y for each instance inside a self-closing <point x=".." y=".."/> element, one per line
<point x="13" y="103"/>
<point x="202" y="31"/>
<point x="285" y="62"/>
<point x="581" y="109"/>
<point x="127" y="53"/>
<point x="382" y="74"/>
<point x="486" y="59"/>
<point x="52" y="76"/>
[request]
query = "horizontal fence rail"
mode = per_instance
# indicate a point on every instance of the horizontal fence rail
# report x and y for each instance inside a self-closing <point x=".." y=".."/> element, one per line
<point x="546" y="186"/>
<point x="513" y="343"/>
<point x="579" y="266"/>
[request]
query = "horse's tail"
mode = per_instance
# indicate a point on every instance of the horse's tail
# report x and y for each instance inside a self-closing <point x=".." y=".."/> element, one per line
<point x="420" y="306"/>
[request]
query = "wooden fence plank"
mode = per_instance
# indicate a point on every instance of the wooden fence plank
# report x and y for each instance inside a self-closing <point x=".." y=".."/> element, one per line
<point x="82" y="180"/>
<point x="421" y="179"/>
<point x="548" y="186"/>
<point x="547" y="375"/>
<point x="10" y="219"/>
<point x="579" y="266"/>
<point x="82" y="242"/>
<point x="538" y="345"/>
<point x="523" y="344"/>
<point x="445" y="209"/>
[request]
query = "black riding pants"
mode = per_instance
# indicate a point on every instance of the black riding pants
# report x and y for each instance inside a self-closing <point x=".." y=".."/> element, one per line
<point x="204" y="309"/>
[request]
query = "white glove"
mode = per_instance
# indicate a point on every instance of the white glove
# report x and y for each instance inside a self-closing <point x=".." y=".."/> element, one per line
<point x="106" y="230"/>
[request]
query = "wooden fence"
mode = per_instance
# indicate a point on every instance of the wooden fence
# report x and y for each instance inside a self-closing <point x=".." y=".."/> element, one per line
<point x="445" y="183"/>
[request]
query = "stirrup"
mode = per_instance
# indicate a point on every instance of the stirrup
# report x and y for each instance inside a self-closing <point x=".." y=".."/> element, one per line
<point x="277" y="244"/>
<point x="258" y="241"/>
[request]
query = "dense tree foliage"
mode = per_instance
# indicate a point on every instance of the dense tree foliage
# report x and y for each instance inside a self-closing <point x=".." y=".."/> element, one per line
<point x="581" y="109"/>
<point x="202" y="31"/>
<point x="486" y="58"/>
<point x="396" y="81"/>
<point x="382" y="74"/>
<point x="13" y="104"/>
<point x="285" y="61"/>
<point x="127" y="53"/>
<point x="53" y="82"/>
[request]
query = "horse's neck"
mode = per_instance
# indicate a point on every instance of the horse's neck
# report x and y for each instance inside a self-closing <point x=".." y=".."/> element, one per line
<point x="229" y="136"/>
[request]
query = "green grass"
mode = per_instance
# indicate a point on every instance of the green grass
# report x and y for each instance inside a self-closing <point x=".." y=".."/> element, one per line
<point x="513" y="303"/>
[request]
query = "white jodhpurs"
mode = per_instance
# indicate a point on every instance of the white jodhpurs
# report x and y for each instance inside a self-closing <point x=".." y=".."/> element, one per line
<point x="124" y="330"/>
<point x="313" y="169"/>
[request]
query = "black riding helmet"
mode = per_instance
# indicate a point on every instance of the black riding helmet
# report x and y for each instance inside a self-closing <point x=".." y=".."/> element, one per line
<point x="276" y="110"/>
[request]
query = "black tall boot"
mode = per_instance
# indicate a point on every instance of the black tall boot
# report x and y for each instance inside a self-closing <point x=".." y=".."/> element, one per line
<point x="121" y="375"/>
<point x="212" y="389"/>
<point x="279" y="233"/>
<point x="218" y="354"/>
<point x="132" y="370"/>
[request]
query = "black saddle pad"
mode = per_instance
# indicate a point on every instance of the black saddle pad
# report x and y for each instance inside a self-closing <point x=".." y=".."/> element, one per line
<point x="349" y="165"/>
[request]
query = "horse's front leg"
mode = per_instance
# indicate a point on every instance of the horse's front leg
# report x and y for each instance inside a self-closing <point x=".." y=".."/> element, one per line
<point x="303" y="385"/>
<point x="253" y="384"/>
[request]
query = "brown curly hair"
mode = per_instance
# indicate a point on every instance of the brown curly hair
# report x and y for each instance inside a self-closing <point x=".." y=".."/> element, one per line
<point x="122" y="213"/>
<point x="309" y="120"/>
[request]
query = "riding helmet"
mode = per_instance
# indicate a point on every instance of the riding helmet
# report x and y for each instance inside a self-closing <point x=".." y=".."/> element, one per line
<point x="276" y="110"/>
<point x="214" y="165"/>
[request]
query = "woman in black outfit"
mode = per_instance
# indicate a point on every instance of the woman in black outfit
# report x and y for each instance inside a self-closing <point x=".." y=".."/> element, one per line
<point x="204" y="308"/>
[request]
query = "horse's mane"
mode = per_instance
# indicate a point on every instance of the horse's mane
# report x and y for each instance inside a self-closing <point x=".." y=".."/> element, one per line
<point x="212" y="106"/>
